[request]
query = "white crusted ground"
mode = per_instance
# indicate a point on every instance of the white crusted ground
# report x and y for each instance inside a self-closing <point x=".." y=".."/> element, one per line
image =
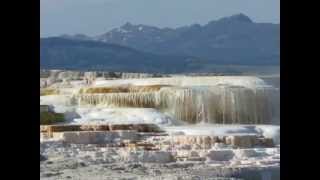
<point x="268" y="131"/>
<point x="92" y="162"/>
<point x="65" y="161"/>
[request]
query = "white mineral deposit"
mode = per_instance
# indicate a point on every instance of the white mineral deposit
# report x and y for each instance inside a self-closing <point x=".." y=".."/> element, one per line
<point x="161" y="128"/>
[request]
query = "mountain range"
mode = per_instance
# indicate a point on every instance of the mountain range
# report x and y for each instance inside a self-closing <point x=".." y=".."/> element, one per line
<point x="234" y="40"/>
<point x="61" y="53"/>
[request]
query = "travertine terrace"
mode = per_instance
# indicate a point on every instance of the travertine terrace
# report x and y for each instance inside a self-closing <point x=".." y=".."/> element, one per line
<point x="151" y="127"/>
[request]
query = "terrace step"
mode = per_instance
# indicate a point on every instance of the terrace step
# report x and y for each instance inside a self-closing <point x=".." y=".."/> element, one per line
<point x="145" y="128"/>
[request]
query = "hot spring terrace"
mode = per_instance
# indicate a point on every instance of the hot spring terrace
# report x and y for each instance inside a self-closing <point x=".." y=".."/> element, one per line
<point x="214" y="100"/>
<point x="142" y="135"/>
<point x="216" y="123"/>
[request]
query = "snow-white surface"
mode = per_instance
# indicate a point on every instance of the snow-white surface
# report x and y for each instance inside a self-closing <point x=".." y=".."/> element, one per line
<point x="56" y="100"/>
<point x="122" y="116"/>
<point x="99" y="115"/>
<point x="245" y="81"/>
<point x="107" y="161"/>
<point x="268" y="131"/>
<point x="220" y="155"/>
<point x="74" y="114"/>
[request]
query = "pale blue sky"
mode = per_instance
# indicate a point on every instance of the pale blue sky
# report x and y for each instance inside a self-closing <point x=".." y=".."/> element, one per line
<point x="93" y="17"/>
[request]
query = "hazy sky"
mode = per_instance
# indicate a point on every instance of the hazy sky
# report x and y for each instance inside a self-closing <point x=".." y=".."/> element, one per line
<point x="93" y="17"/>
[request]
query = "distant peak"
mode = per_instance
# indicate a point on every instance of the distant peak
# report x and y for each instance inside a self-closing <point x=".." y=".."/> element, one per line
<point x="127" y="25"/>
<point x="238" y="17"/>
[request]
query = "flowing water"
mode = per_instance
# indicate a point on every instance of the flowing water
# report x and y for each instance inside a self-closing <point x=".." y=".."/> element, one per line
<point x="216" y="101"/>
